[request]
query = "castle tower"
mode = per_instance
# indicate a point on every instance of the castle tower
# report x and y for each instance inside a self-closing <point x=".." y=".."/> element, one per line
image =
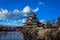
<point x="31" y="21"/>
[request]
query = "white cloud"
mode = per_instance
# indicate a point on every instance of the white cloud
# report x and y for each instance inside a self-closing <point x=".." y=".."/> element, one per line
<point x="12" y="22"/>
<point x="43" y="21"/>
<point x="26" y="9"/>
<point x="19" y="20"/>
<point x="23" y="20"/>
<point x="16" y="14"/>
<point x="35" y="10"/>
<point x="8" y="24"/>
<point x="41" y="3"/>
<point x="16" y="11"/>
<point x="15" y="21"/>
<point x="25" y="15"/>
<point x="3" y="12"/>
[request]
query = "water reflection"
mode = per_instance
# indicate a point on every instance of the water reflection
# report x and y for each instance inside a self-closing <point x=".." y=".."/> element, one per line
<point x="11" y="36"/>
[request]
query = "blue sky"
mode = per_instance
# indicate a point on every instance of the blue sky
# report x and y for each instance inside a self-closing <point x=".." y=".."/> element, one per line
<point x="13" y="12"/>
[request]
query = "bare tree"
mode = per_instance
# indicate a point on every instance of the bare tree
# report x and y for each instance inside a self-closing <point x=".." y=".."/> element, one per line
<point x="58" y="22"/>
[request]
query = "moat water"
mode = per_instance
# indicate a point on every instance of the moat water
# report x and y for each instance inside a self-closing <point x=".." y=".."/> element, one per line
<point x="11" y="36"/>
